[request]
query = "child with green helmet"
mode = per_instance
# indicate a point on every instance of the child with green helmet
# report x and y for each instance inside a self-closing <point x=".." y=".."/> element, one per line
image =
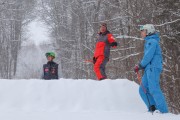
<point x="51" y="68"/>
<point x="52" y="54"/>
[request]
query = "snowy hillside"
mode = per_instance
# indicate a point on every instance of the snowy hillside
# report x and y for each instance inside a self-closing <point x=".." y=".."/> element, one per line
<point x="67" y="99"/>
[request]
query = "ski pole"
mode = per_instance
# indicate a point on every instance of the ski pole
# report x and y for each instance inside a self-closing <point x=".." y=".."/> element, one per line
<point x="88" y="61"/>
<point x="144" y="89"/>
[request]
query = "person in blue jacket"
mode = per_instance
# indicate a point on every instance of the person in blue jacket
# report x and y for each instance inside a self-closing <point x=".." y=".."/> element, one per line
<point x="150" y="90"/>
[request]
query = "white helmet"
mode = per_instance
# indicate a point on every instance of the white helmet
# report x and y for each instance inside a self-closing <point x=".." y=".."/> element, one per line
<point x="149" y="27"/>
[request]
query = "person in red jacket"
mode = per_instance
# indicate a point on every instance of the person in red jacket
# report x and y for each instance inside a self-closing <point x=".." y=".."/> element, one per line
<point x="105" y="41"/>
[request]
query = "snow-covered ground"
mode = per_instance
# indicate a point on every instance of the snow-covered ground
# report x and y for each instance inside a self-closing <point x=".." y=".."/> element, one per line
<point x="67" y="99"/>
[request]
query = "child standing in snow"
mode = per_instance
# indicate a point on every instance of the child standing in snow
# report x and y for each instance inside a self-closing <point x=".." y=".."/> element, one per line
<point x="51" y="68"/>
<point x="150" y="90"/>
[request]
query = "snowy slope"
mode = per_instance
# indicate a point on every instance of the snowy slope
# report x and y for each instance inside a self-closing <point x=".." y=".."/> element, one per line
<point x="66" y="99"/>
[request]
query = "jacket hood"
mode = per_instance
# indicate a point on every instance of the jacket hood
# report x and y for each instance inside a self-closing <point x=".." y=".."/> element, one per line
<point x="153" y="36"/>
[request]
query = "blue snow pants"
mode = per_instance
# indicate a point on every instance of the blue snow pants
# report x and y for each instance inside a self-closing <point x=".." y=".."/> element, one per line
<point x="150" y="89"/>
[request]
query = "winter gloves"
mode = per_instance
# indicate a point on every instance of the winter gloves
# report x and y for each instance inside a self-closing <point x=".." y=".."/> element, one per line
<point x="94" y="60"/>
<point x="137" y="68"/>
<point x="114" y="44"/>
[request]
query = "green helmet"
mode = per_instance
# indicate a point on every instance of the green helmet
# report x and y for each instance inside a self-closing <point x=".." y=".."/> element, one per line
<point x="50" y="54"/>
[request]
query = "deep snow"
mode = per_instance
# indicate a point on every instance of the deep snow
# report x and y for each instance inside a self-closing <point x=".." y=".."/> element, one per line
<point x="67" y="99"/>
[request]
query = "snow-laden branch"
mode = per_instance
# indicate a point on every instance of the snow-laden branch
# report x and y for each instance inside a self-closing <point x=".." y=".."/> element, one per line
<point x="125" y="57"/>
<point x="13" y="9"/>
<point x="171" y="77"/>
<point x="167" y="75"/>
<point x="15" y="40"/>
<point x="123" y="49"/>
<point x="175" y="13"/>
<point x="88" y="48"/>
<point x="110" y="4"/>
<point x="71" y="10"/>
<point x="168" y="22"/>
<point x="120" y="17"/>
<point x="94" y="1"/>
<point x="126" y="37"/>
<point x="86" y="17"/>
<point x="171" y="38"/>
<point x="167" y="56"/>
<point x="166" y="70"/>
<point x="10" y="19"/>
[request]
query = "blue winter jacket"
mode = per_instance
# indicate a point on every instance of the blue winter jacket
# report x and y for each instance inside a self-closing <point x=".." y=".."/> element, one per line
<point x="152" y="53"/>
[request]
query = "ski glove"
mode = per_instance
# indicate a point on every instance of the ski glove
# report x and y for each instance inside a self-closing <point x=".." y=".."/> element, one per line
<point x="137" y="68"/>
<point x="114" y="44"/>
<point x="94" y="60"/>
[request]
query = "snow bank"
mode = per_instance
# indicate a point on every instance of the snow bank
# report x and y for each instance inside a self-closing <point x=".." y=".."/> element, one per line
<point x="69" y="95"/>
<point x="73" y="100"/>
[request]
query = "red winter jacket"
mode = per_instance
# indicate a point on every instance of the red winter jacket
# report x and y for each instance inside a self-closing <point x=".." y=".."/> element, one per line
<point x="103" y="44"/>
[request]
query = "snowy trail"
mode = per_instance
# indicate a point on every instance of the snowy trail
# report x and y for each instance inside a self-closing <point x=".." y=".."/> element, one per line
<point x="67" y="99"/>
<point x="86" y="116"/>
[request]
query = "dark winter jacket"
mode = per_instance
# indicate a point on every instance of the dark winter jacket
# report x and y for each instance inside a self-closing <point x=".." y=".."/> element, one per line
<point x="50" y="71"/>
<point x="103" y="44"/>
